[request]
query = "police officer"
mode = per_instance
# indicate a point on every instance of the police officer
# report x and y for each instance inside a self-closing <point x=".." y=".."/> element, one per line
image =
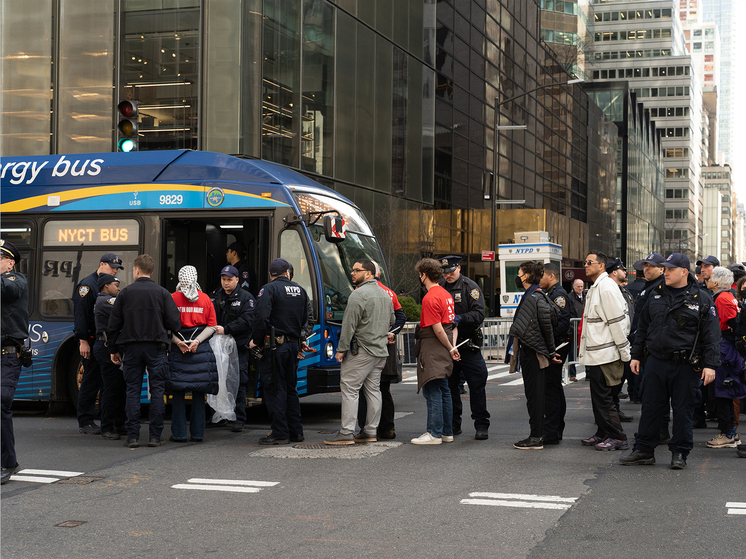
<point x="680" y="327"/>
<point x="112" y="379"/>
<point x="234" y="310"/>
<point x="235" y="256"/>
<point x="469" y="306"/>
<point x="139" y="331"/>
<point x="706" y="266"/>
<point x="15" y="295"/>
<point x="281" y="311"/>
<point x="84" y="299"/>
<point x="555" y="404"/>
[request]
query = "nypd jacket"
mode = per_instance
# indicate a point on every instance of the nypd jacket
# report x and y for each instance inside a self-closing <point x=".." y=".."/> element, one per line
<point x="143" y="312"/>
<point x="532" y="323"/>
<point x="468" y="304"/>
<point x="235" y="313"/>
<point x="102" y="311"/>
<point x="560" y="298"/>
<point x="606" y="324"/>
<point x="14" y="308"/>
<point x="84" y="299"/>
<point x="669" y="323"/>
<point x="283" y="304"/>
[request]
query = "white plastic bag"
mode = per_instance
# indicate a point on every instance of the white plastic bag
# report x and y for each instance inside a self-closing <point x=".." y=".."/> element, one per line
<point x="229" y="376"/>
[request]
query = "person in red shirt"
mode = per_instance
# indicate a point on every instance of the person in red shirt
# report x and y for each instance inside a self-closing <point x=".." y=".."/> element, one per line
<point x="729" y="384"/>
<point x="192" y="365"/>
<point x="435" y="351"/>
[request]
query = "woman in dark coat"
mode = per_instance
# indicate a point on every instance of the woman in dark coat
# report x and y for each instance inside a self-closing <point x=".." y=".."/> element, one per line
<point x="192" y="366"/>
<point x="533" y="344"/>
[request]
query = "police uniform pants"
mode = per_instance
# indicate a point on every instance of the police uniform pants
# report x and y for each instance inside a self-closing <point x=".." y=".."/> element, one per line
<point x="135" y="359"/>
<point x="11" y="371"/>
<point x="89" y="388"/>
<point x="555" y="405"/>
<point x="664" y="381"/>
<point x="243" y="364"/>
<point x="604" y="411"/>
<point x="112" y="390"/>
<point x="473" y="368"/>
<point x="533" y="387"/>
<point x="280" y="392"/>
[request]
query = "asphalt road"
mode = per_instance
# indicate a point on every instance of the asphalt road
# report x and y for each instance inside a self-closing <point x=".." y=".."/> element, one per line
<point x="229" y="497"/>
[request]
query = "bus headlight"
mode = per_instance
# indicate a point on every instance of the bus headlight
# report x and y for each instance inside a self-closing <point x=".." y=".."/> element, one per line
<point x="329" y="349"/>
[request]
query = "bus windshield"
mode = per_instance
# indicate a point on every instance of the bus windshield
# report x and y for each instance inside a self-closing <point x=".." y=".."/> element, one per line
<point x="336" y="260"/>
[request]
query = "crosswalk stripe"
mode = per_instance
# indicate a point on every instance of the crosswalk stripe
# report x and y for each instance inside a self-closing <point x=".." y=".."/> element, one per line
<point x="515" y="504"/>
<point x="227" y="488"/>
<point x="34" y="479"/>
<point x="736" y="511"/>
<point x="517" y="382"/>
<point x="736" y="508"/>
<point x="234" y="482"/>
<point x="60" y="473"/>
<point x="549" y="498"/>
<point x="737" y="505"/>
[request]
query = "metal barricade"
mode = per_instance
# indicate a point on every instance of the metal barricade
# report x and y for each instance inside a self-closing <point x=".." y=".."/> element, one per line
<point x="495" y="331"/>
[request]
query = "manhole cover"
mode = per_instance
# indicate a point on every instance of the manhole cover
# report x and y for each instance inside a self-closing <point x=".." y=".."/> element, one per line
<point x="317" y="446"/>
<point x="80" y="480"/>
<point x="71" y="523"/>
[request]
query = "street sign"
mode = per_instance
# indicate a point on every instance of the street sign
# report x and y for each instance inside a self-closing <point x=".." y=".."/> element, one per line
<point x="488" y="256"/>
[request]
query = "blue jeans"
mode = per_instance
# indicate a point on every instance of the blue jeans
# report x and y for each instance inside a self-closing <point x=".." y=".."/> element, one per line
<point x="196" y="418"/>
<point x="439" y="407"/>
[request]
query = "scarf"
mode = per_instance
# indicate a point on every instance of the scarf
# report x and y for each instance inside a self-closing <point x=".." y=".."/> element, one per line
<point x="188" y="283"/>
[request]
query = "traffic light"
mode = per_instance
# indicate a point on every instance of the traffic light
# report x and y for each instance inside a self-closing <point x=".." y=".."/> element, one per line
<point x="128" y="115"/>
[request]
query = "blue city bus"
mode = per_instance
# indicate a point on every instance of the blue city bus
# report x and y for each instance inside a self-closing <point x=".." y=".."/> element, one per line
<point x="64" y="212"/>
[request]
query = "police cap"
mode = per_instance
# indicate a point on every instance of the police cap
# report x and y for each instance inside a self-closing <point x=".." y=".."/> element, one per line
<point x="709" y="260"/>
<point x="450" y="263"/>
<point x="278" y="267"/>
<point x="230" y="271"/>
<point x="9" y="250"/>
<point x="654" y="259"/>
<point x="112" y="260"/>
<point x="615" y="264"/>
<point x="676" y="260"/>
<point x="105" y="279"/>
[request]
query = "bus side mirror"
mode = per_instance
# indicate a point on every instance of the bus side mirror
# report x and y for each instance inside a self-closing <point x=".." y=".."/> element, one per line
<point x="334" y="230"/>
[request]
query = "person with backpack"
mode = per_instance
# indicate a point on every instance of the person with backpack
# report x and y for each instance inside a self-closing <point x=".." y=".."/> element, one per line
<point x="604" y="348"/>
<point x="532" y="343"/>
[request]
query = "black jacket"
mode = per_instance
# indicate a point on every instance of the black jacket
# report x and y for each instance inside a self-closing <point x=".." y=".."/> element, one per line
<point x="143" y="312"/>
<point x="235" y="313"/>
<point x="102" y="311"/>
<point x="468" y="304"/>
<point x="283" y="304"/>
<point x="532" y="323"/>
<point x="560" y="297"/>
<point x="669" y="323"/>
<point x="15" y="294"/>
<point x="642" y="299"/>
<point x="192" y="371"/>
<point x="84" y="299"/>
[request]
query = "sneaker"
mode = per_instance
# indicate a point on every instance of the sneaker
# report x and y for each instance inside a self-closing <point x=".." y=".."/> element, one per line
<point x="132" y="443"/>
<point x="612" y="444"/>
<point x="722" y="441"/>
<point x="481" y="435"/>
<point x="447" y="438"/>
<point x="89" y="429"/>
<point x="7" y="472"/>
<point x="592" y="441"/>
<point x="638" y="458"/>
<point x="111" y="436"/>
<point x="678" y="462"/>
<point x="427" y="438"/>
<point x="361" y="437"/>
<point x="531" y="443"/>
<point x="269" y="440"/>
<point x="341" y="440"/>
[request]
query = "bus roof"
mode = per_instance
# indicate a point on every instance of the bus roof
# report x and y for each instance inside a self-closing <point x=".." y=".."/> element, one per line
<point x="140" y="180"/>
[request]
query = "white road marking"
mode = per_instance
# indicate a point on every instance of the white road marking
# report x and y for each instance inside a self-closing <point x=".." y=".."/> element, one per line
<point x="60" y="473"/>
<point x="234" y="482"/>
<point x="517" y="382"/>
<point x="229" y="488"/>
<point x="34" y="479"/>
<point x="517" y="500"/>
<point x="736" y="508"/>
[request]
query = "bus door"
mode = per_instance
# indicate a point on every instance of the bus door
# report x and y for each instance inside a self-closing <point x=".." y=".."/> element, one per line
<point x="203" y="243"/>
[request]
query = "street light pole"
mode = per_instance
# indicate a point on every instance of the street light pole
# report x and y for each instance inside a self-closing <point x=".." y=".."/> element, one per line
<point x="493" y="186"/>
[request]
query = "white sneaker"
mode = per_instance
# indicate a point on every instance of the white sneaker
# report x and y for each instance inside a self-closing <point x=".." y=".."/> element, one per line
<point x="426" y="438"/>
<point x="447" y="438"/>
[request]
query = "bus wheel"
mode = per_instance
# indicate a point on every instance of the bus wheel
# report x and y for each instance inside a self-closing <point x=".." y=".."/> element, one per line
<point x="74" y="378"/>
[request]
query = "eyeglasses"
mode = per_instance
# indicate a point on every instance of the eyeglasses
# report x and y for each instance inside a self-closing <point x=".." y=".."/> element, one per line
<point x="358" y="271"/>
<point x="590" y="262"/>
